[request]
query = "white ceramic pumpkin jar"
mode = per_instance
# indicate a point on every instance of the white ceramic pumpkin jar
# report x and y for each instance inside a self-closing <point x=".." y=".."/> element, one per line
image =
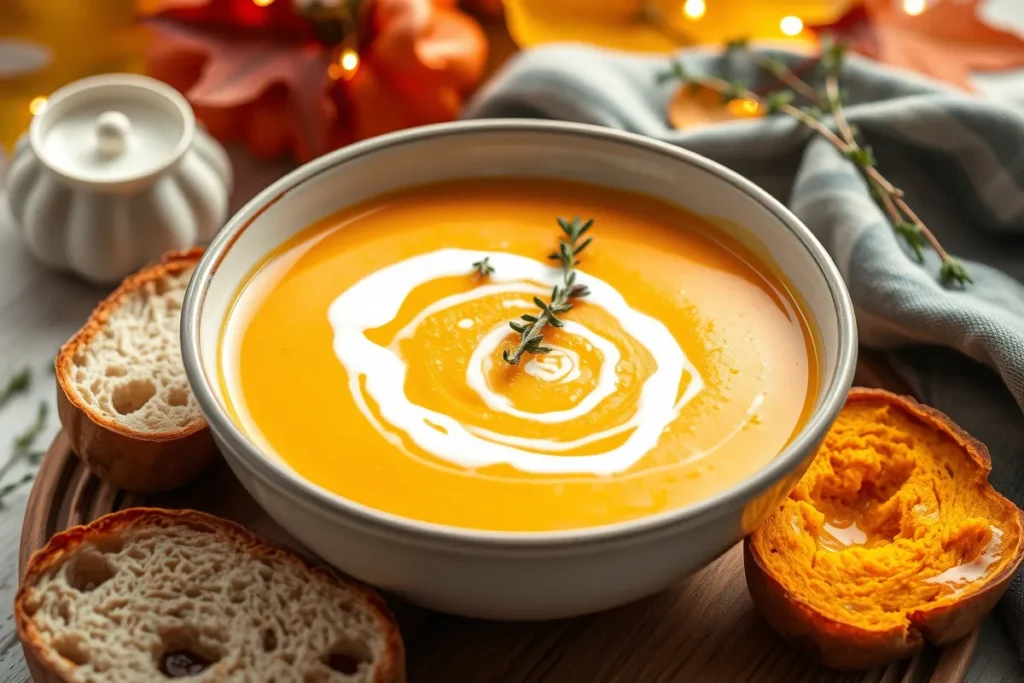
<point x="114" y="172"/>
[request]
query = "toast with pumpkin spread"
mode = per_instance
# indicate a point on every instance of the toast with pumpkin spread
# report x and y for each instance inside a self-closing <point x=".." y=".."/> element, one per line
<point x="893" y="536"/>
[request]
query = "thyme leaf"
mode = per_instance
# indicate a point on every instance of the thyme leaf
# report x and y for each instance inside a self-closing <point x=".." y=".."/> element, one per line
<point x="17" y="384"/>
<point x="8" y="489"/>
<point x="23" y="451"/>
<point x="826" y="98"/>
<point x="483" y="267"/>
<point x="531" y="340"/>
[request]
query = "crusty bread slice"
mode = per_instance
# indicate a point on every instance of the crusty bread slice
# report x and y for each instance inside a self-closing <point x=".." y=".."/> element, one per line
<point x="144" y="595"/>
<point x="123" y="397"/>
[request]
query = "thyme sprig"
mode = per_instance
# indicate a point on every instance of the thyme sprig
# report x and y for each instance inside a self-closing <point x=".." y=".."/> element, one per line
<point x="24" y="441"/>
<point x="10" y="488"/>
<point x="23" y="450"/>
<point x="530" y="338"/>
<point x="18" y="383"/>
<point x="483" y="267"/>
<point x="828" y="99"/>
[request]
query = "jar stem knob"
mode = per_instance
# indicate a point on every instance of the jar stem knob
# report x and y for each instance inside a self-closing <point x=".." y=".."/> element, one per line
<point x="112" y="128"/>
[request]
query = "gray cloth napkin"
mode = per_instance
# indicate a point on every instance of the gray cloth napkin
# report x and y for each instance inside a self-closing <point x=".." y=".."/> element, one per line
<point x="961" y="162"/>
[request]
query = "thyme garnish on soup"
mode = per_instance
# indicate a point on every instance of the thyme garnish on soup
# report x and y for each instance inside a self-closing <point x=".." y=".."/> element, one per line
<point x="530" y="338"/>
<point x="483" y="267"/>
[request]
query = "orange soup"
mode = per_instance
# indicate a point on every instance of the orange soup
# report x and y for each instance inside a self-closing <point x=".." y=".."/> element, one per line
<point x="372" y="353"/>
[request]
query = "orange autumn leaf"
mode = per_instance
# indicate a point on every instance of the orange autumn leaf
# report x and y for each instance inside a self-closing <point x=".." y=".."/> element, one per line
<point x="694" y="107"/>
<point x="947" y="41"/>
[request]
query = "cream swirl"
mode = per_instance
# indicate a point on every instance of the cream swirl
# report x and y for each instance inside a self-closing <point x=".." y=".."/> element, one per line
<point x="559" y="365"/>
<point x="607" y="381"/>
<point x="380" y="371"/>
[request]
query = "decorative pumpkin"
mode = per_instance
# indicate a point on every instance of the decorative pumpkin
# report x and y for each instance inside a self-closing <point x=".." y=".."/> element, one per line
<point x="286" y="78"/>
<point x="92" y="196"/>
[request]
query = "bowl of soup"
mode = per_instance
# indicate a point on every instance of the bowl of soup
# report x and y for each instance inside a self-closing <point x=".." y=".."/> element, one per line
<point x="517" y="369"/>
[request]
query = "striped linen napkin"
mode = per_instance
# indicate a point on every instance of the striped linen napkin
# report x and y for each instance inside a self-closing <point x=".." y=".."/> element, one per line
<point x="960" y="160"/>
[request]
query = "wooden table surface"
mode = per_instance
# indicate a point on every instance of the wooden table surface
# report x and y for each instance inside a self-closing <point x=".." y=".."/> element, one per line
<point x="39" y="310"/>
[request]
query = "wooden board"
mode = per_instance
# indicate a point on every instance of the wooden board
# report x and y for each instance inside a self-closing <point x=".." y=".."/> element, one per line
<point x="704" y="629"/>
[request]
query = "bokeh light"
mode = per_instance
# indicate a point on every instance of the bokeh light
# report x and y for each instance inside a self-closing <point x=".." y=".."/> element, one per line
<point x="791" y="26"/>
<point x="37" y="106"/>
<point x="694" y="9"/>
<point x="914" y="7"/>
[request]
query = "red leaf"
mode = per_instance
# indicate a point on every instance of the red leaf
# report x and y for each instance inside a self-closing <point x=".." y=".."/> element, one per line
<point x="237" y="69"/>
<point x="277" y="18"/>
<point x="260" y="74"/>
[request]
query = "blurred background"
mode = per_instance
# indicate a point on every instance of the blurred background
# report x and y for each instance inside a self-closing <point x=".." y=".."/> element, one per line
<point x="345" y="67"/>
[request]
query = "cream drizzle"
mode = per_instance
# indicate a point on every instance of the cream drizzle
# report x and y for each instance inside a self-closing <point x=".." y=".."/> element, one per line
<point x="559" y="365"/>
<point x="607" y="381"/>
<point x="376" y="299"/>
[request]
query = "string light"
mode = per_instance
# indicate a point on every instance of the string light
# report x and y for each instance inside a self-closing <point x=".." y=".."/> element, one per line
<point x="345" y="66"/>
<point x="349" y="59"/>
<point x="262" y="3"/>
<point x="37" y="106"/>
<point x="791" y="26"/>
<point x="694" y="9"/>
<point x="914" y="7"/>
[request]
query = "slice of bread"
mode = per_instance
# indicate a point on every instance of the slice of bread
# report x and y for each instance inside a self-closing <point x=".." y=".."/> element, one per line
<point x="145" y="595"/>
<point x="123" y="397"/>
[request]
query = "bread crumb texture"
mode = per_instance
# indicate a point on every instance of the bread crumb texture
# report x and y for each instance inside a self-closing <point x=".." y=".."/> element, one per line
<point x="129" y="368"/>
<point x="892" y="517"/>
<point x="152" y="603"/>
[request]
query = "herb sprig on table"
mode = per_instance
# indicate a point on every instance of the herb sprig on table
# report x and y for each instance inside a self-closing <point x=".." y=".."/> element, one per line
<point x="23" y="446"/>
<point x="18" y="383"/>
<point x="827" y="99"/>
<point x="530" y="338"/>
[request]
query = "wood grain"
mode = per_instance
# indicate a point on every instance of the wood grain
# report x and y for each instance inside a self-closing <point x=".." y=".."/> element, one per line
<point x="703" y="629"/>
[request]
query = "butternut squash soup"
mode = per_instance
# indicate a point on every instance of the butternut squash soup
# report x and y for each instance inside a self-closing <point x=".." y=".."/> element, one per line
<point x="519" y="355"/>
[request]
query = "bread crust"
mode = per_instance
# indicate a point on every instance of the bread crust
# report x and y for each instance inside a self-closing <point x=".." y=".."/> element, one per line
<point x="847" y="646"/>
<point x="126" y="458"/>
<point x="49" y="667"/>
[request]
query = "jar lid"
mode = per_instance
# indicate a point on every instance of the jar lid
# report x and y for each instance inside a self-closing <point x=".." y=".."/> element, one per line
<point x="112" y="129"/>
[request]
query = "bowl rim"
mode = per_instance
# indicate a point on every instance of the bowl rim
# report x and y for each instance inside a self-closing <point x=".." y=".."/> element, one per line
<point x="288" y="482"/>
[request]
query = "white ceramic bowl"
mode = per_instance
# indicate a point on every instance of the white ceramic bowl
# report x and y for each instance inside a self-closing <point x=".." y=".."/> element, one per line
<point x="505" y="575"/>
